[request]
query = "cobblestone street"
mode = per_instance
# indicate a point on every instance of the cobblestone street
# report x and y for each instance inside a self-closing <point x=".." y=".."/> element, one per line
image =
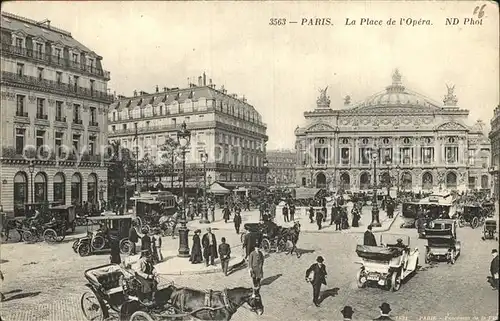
<point x="448" y="292"/>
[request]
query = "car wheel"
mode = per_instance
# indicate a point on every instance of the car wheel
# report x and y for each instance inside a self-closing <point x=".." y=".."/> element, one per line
<point x="474" y="222"/>
<point x="452" y="257"/>
<point x="98" y="242"/>
<point x="84" y="249"/>
<point x="141" y="316"/>
<point x="49" y="235"/>
<point x="396" y="281"/>
<point x="91" y="307"/>
<point x="29" y="237"/>
<point x="125" y="246"/>
<point x="75" y="246"/>
<point x="461" y="221"/>
<point x="361" y="279"/>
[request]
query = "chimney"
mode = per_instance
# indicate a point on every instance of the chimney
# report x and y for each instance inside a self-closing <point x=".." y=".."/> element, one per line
<point x="164" y="89"/>
<point x="204" y="79"/>
<point x="135" y="93"/>
<point x="200" y="79"/>
<point x="157" y="89"/>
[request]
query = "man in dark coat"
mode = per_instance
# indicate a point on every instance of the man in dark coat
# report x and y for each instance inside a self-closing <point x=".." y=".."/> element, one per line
<point x="237" y="222"/>
<point x="319" y="278"/>
<point x="292" y="212"/>
<point x="319" y="218"/>
<point x="115" y="251"/>
<point x="209" y="244"/>
<point x="332" y="214"/>
<point x="369" y="238"/>
<point x="338" y="218"/>
<point x="133" y="238"/>
<point x="494" y="268"/>
<point x="385" y="309"/>
<point x="225" y="254"/>
<point x="256" y="267"/>
<point x="285" y="213"/>
<point x="145" y="242"/>
<point x="390" y="208"/>
<point x="311" y="214"/>
<point x="226" y="212"/>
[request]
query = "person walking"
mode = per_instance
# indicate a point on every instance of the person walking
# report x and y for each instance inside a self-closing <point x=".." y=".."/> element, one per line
<point x="319" y="219"/>
<point x="284" y="210"/>
<point x="292" y="212"/>
<point x="196" y="255"/>
<point x="347" y="313"/>
<point x="133" y="237"/>
<point x="226" y="212"/>
<point x="311" y="214"/>
<point x="319" y="277"/>
<point x="369" y="237"/>
<point x="385" y="309"/>
<point x="338" y="218"/>
<point x="145" y="242"/>
<point x="256" y="267"/>
<point x="324" y="210"/>
<point x="209" y="247"/>
<point x="237" y="222"/>
<point x="355" y="217"/>
<point x="225" y="254"/>
<point x="494" y="268"/>
<point x="115" y="251"/>
<point x="156" y="244"/>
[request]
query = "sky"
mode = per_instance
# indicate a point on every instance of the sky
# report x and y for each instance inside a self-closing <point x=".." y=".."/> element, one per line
<point x="280" y="69"/>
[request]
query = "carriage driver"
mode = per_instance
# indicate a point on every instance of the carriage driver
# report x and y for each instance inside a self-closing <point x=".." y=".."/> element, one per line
<point x="146" y="276"/>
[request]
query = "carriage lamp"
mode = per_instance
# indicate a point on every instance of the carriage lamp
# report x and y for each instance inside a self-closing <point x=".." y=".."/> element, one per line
<point x="183" y="138"/>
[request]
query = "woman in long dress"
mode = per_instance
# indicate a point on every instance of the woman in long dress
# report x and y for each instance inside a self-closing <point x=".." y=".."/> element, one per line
<point x="196" y="255"/>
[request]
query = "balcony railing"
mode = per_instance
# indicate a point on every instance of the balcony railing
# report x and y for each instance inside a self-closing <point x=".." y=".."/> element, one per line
<point x="61" y="119"/>
<point x="53" y="85"/>
<point x="94" y="123"/>
<point x="54" y="60"/>
<point x="21" y="114"/>
<point x="41" y="116"/>
<point x="77" y="121"/>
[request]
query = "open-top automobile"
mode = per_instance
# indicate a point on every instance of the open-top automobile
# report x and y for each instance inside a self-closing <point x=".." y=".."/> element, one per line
<point x="442" y="243"/>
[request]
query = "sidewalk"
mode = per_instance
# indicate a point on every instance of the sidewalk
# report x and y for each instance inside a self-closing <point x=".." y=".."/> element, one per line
<point x="219" y="224"/>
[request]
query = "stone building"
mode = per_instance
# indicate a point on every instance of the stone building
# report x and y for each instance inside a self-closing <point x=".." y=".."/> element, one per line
<point x="281" y="164"/>
<point x="419" y="144"/>
<point x="222" y="125"/>
<point x="53" y="113"/>
<point x="495" y="147"/>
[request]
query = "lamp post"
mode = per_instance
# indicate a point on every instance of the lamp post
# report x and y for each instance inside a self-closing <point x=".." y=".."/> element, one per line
<point x="183" y="137"/>
<point x="375" y="211"/>
<point x="388" y="178"/>
<point x="31" y="169"/>
<point x="209" y="179"/>
<point x="398" y="168"/>
<point x="204" y="220"/>
<point x="266" y="164"/>
<point x="136" y="161"/>
<point x="125" y="200"/>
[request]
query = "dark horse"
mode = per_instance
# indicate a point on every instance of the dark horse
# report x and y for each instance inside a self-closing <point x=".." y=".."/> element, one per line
<point x="213" y="305"/>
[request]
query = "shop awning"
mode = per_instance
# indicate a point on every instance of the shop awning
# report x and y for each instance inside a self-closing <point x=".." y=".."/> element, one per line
<point x="305" y="193"/>
<point x="216" y="188"/>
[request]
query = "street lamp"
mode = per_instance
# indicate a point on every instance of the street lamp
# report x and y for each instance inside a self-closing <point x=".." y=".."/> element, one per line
<point x="375" y="210"/>
<point x="204" y="220"/>
<point x="31" y="169"/>
<point x="398" y="168"/>
<point x="388" y="162"/>
<point x="136" y="161"/>
<point x="183" y="138"/>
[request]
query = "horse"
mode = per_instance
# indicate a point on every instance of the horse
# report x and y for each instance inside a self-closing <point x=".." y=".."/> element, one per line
<point x="291" y="236"/>
<point x="213" y="305"/>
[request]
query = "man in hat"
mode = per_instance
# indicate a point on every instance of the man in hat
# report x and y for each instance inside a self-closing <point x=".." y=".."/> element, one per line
<point x="146" y="276"/>
<point x="237" y="222"/>
<point x="209" y="244"/>
<point x="369" y="238"/>
<point x="256" y="266"/>
<point x="385" y="309"/>
<point x="347" y="313"/>
<point x="133" y="237"/>
<point x="319" y="277"/>
<point x="225" y="254"/>
<point x="145" y="241"/>
<point x="319" y="218"/>
<point x="494" y="268"/>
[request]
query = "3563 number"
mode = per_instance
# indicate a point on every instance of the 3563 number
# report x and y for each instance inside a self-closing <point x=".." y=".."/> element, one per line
<point x="277" y="21"/>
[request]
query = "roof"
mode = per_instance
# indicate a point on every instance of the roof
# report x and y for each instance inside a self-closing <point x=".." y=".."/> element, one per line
<point x="148" y="201"/>
<point x="109" y="217"/>
<point x="35" y="29"/>
<point x="216" y="188"/>
<point x="305" y="193"/>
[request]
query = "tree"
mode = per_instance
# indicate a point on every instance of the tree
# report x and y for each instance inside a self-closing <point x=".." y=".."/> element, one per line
<point x="121" y="168"/>
<point x="169" y="158"/>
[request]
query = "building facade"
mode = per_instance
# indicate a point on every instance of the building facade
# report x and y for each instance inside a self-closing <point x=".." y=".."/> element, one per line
<point x="415" y="143"/>
<point x="281" y="164"/>
<point x="54" y="104"/>
<point x="227" y="128"/>
<point x="495" y="150"/>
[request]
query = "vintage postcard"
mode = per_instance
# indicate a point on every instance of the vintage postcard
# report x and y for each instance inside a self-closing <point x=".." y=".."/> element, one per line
<point x="249" y="160"/>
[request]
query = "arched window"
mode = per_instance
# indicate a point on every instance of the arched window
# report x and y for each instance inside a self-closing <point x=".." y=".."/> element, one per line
<point x="345" y="181"/>
<point x="304" y="181"/>
<point x="59" y="188"/>
<point x="20" y="193"/>
<point x="364" y="181"/>
<point x="485" y="182"/>
<point x="320" y="180"/>
<point x="76" y="189"/>
<point x="92" y="189"/>
<point x="40" y="187"/>
<point x="451" y="180"/>
<point x="406" y="181"/>
<point x="148" y="111"/>
<point x="427" y="181"/>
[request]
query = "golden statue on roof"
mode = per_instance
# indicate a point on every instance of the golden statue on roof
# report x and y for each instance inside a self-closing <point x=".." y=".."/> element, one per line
<point x="396" y="77"/>
<point x="323" y="100"/>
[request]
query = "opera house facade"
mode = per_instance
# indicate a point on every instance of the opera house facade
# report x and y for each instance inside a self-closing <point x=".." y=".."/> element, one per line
<point x="415" y="143"/>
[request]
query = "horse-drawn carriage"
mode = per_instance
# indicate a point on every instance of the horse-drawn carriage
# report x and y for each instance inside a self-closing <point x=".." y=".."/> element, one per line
<point x="442" y="243"/>
<point x="388" y="264"/>
<point x="155" y="211"/>
<point x="271" y="236"/>
<point x="472" y="214"/>
<point x="117" y="226"/>
<point x="113" y="288"/>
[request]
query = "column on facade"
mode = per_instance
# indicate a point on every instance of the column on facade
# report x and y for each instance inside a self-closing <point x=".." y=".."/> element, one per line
<point x="438" y="150"/>
<point x="356" y="151"/>
<point x="418" y="153"/>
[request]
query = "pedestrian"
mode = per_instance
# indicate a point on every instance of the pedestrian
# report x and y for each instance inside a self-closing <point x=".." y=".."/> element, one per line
<point x="133" y="237"/>
<point x="319" y="218"/>
<point x="369" y="237"/>
<point x="209" y="247"/>
<point x="292" y="212"/>
<point x="311" y="214"/>
<point x="319" y="277"/>
<point x="285" y="213"/>
<point x="145" y="241"/>
<point x="196" y="255"/>
<point x="494" y="268"/>
<point x="115" y="251"/>
<point x="345" y="219"/>
<point x="256" y="267"/>
<point x="237" y="222"/>
<point x="338" y="218"/>
<point x="385" y="309"/>
<point x="332" y="214"/>
<point x="156" y="241"/>
<point x="347" y="313"/>
<point x="325" y="212"/>
<point x="355" y="217"/>
<point x="226" y="213"/>
<point x="225" y="254"/>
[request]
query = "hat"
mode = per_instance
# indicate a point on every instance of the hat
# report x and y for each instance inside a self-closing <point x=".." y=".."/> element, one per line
<point x="385" y="307"/>
<point x="399" y="240"/>
<point x="146" y="252"/>
<point x="347" y="311"/>
<point x="197" y="231"/>
<point x="144" y="230"/>
<point x="320" y="259"/>
<point x="370" y="227"/>
<point x="494" y="251"/>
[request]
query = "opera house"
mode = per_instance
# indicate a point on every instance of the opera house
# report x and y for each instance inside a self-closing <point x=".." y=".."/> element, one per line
<point x="415" y="143"/>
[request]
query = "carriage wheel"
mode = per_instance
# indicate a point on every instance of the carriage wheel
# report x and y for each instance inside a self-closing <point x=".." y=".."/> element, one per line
<point x="266" y="245"/>
<point x="474" y="222"/>
<point x="83" y="249"/>
<point x="49" y="235"/>
<point x="29" y="237"/>
<point x="98" y="242"/>
<point x="461" y="221"/>
<point x="281" y="246"/>
<point x="395" y="281"/>
<point x="125" y="246"/>
<point x="141" y="316"/>
<point x="481" y="221"/>
<point x="92" y="307"/>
